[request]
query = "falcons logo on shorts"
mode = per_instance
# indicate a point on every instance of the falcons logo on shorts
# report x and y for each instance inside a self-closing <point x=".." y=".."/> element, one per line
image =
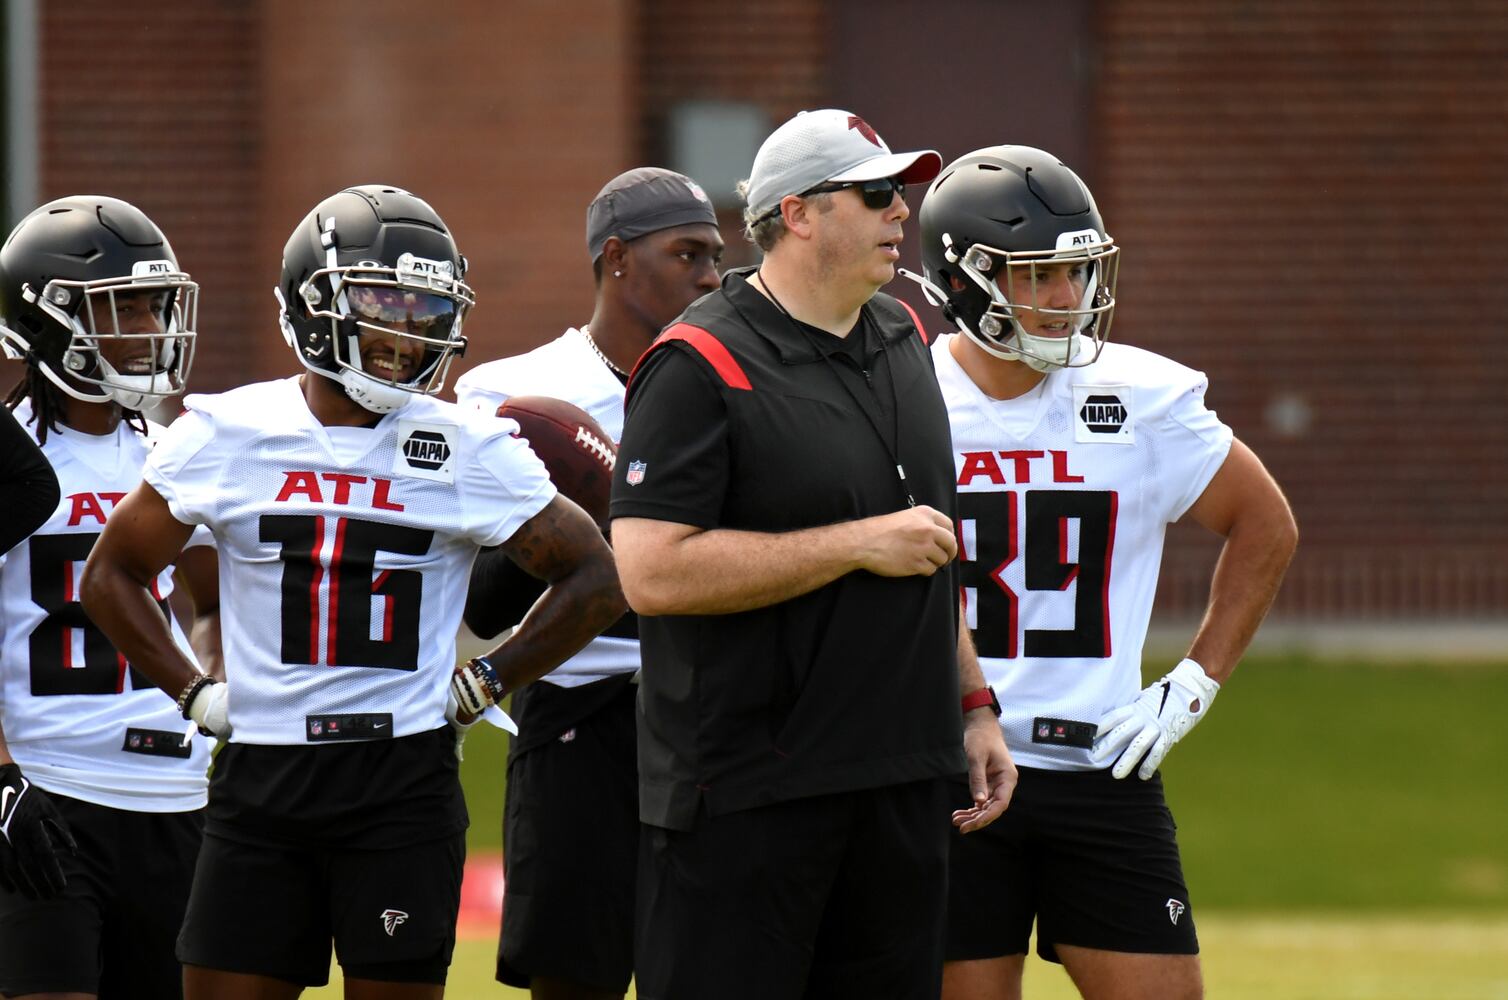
<point x="391" y="919"/>
<point x="1175" y="910"/>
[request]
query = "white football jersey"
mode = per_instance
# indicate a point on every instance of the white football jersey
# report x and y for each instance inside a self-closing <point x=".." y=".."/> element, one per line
<point x="79" y="719"/>
<point x="1064" y="497"/>
<point x="566" y="368"/>
<point x="345" y="552"/>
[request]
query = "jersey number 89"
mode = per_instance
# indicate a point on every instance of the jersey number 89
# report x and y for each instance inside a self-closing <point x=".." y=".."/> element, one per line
<point x="999" y="541"/>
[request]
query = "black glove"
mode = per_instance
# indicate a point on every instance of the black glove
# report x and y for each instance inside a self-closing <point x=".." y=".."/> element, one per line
<point x="31" y="833"/>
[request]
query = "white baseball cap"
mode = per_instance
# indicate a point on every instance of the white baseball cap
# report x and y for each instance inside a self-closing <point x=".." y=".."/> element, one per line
<point x="829" y="145"/>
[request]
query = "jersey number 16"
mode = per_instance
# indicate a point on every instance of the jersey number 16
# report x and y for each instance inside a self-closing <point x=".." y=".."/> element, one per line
<point x="351" y="583"/>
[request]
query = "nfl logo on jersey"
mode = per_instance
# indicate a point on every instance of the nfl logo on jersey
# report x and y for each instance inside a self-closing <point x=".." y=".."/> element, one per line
<point x="636" y="473"/>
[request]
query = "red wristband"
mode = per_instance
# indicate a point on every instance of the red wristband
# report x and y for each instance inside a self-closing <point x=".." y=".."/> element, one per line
<point x="985" y="696"/>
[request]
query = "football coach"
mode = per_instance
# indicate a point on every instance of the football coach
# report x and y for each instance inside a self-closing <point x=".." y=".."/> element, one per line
<point x="783" y="513"/>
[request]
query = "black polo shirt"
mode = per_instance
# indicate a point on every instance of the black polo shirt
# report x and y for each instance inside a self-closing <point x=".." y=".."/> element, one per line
<point x="738" y="417"/>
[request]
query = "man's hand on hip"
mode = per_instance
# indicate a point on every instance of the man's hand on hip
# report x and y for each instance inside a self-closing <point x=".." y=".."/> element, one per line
<point x="1161" y="715"/>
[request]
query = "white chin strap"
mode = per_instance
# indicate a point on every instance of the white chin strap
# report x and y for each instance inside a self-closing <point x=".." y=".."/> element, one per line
<point x="1041" y="354"/>
<point x="367" y="392"/>
<point x="373" y="394"/>
<point x="134" y="391"/>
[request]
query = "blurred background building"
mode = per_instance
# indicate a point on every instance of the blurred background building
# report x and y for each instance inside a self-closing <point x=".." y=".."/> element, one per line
<point x="1307" y="192"/>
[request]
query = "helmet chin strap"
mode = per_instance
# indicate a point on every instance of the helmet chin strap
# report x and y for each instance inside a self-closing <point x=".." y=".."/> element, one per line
<point x="374" y="394"/>
<point x="133" y="391"/>
<point x="1034" y="361"/>
<point x="366" y="392"/>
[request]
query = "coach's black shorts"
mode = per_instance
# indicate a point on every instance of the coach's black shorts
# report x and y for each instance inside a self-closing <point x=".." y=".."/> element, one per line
<point x="272" y="911"/>
<point x="571" y="840"/>
<point x="111" y="931"/>
<point x="1094" y="860"/>
<point x="841" y="895"/>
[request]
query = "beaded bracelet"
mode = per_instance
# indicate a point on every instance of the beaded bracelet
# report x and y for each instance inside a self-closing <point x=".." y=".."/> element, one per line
<point x="186" y="696"/>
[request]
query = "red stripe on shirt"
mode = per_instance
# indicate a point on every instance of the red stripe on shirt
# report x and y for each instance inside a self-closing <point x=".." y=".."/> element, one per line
<point x="917" y="320"/>
<point x="334" y="619"/>
<point x="314" y="582"/>
<point x="711" y="349"/>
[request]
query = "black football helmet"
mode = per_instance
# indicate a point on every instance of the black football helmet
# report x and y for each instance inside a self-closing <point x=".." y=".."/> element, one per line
<point x="1016" y="207"/>
<point x="63" y="270"/>
<point x="372" y="279"/>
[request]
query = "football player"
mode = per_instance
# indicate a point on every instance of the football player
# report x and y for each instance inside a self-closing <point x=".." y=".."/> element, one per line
<point x="348" y="503"/>
<point x="653" y="239"/>
<point x="101" y="792"/>
<point x="1073" y="455"/>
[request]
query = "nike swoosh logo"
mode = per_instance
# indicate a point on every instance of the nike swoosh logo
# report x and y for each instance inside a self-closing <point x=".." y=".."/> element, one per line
<point x="5" y="796"/>
<point x="379" y="725"/>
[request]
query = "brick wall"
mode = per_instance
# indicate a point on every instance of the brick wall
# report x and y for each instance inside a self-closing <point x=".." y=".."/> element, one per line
<point x="160" y="109"/>
<point x="1309" y="197"/>
<point x="771" y="54"/>
<point x="228" y="121"/>
<point x="506" y="117"/>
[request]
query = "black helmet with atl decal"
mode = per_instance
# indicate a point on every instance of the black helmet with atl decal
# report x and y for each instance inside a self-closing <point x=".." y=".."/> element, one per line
<point x="67" y="271"/>
<point x="372" y="295"/>
<point x="1010" y="211"/>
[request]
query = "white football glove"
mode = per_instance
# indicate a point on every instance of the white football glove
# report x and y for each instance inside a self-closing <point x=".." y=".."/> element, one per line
<point x="208" y="710"/>
<point x="475" y="686"/>
<point x="1160" y="716"/>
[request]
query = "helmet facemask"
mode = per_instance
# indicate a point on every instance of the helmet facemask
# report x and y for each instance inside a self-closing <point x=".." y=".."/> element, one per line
<point x="88" y="311"/>
<point x="999" y="331"/>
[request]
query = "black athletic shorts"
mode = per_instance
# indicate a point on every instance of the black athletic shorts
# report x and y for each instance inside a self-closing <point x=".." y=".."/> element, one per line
<point x="1093" y="860"/>
<point x="272" y="911"/>
<point x="571" y="842"/>
<point x="841" y="895"/>
<point x="111" y="931"/>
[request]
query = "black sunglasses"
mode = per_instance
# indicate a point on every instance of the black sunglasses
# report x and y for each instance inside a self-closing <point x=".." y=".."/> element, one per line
<point x="877" y="194"/>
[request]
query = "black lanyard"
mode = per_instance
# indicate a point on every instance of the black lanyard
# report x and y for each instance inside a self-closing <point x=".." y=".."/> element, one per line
<point x="895" y="402"/>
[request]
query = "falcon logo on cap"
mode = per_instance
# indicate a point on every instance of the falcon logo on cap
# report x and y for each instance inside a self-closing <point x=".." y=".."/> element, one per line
<point x="863" y="128"/>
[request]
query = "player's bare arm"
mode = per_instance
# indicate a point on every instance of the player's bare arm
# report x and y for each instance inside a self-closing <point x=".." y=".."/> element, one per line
<point x="1244" y="504"/>
<point x="992" y="774"/>
<point x="197" y="571"/>
<point x="140" y="539"/>
<point x="562" y="546"/>
<point x="678" y="569"/>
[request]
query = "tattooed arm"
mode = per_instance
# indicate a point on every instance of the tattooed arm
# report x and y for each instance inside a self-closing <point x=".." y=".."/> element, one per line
<point x="561" y="546"/>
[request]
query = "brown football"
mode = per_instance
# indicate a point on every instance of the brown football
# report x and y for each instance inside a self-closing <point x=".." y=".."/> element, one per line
<point x="576" y="451"/>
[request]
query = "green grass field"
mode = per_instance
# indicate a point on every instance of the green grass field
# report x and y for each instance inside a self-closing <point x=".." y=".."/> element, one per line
<point x="1344" y="830"/>
<point x="1245" y="958"/>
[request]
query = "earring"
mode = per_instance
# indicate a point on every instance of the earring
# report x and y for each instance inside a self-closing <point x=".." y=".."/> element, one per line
<point x="617" y="274"/>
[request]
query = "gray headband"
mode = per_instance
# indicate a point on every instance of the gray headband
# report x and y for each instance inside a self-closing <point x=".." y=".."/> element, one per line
<point x="643" y="201"/>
